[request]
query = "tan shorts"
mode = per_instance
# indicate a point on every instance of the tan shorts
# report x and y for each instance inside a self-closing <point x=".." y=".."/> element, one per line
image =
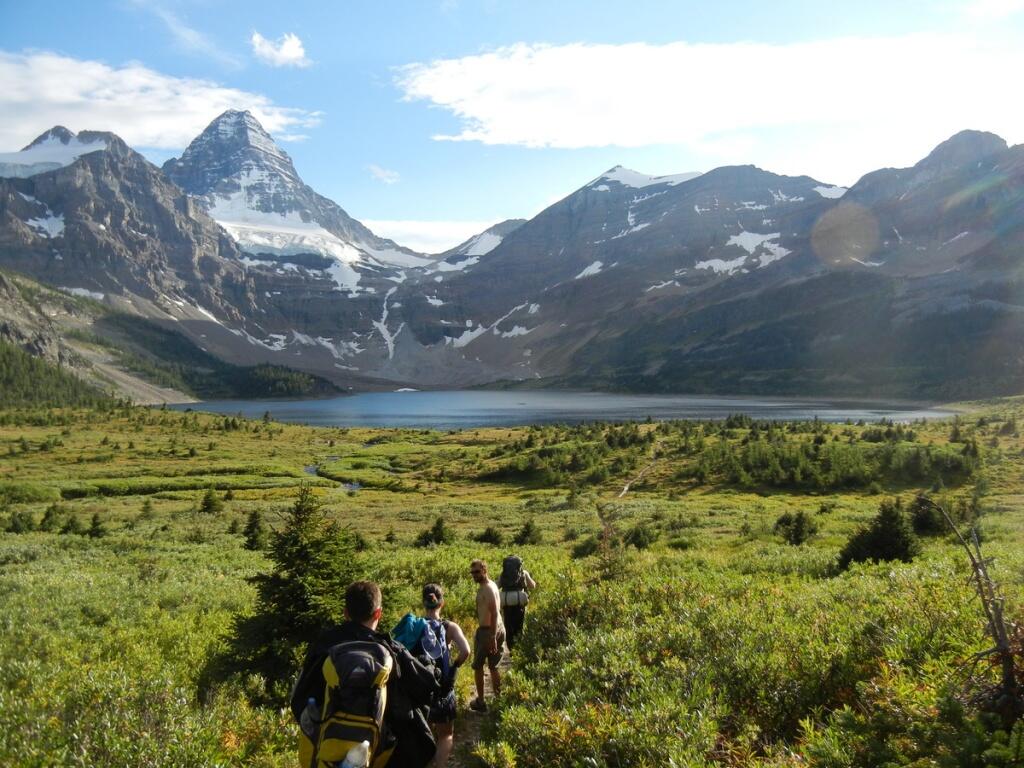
<point x="480" y="643"/>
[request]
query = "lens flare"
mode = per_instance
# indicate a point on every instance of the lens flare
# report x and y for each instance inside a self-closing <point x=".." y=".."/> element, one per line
<point x="845" y="235"/>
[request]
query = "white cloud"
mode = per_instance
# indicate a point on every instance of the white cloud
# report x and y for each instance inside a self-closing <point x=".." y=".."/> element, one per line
<point x="286" y="52"/>
<point x="383" y="174"/>
<point x="187" y="38"/>
<point x="144" y="107"/>
<point x="833" y="108"/>
<point x="191" y="39"/>
<point x="427" y="236"/>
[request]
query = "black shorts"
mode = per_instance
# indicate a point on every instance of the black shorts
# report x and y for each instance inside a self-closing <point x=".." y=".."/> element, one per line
<point x="443" y="709"/>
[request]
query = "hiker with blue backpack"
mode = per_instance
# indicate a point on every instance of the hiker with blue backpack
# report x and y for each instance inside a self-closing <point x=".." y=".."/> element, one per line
<point x="430" y="639"/>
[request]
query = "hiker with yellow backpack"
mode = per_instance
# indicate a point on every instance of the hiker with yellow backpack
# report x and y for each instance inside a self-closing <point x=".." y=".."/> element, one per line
<point x="362" y="699"/>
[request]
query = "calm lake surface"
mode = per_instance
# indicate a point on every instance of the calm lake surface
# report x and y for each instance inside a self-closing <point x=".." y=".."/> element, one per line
<point x="464" y="409"/>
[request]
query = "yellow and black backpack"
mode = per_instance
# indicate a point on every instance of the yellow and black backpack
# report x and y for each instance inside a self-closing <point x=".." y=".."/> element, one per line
<point x="357" y="675"/>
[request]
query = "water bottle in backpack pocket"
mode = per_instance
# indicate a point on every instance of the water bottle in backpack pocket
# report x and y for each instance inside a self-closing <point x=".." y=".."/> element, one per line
<point x="357" y="757"/>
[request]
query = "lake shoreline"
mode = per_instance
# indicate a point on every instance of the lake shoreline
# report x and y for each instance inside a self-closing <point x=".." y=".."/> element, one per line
<point x="468" y="409"/>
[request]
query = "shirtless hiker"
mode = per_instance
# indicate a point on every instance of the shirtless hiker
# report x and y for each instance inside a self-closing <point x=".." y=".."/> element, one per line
<point x="488" y="644"/>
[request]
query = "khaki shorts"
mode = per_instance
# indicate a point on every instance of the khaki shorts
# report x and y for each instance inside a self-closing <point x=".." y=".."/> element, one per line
<point x="480" y="642"/>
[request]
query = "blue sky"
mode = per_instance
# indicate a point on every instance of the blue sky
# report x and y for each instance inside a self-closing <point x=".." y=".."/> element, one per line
<point x="432" y="119"/>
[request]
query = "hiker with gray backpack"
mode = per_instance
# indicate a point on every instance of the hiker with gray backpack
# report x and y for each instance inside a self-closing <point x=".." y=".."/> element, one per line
<point x="514" y="585"/>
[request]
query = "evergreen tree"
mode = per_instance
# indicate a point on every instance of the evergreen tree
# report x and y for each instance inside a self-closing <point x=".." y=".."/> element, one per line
<point x="21" y="521"/>
<point x="438" y="533"/>
<point x="888" y="537"/>
<point x="313" y="562"/>
<point x="641" y="536"/>
<point x="796" y="529"/>
<point x="211" y="503"/>
<point x="73" y="526"/>
<point x="926" y="518"/>
<point x="490" y="535"/>
<point x="51" y="518"/>
<point x="255" y="532"/>
<point x="528" y="534"/>
<point x="96" y="528"/>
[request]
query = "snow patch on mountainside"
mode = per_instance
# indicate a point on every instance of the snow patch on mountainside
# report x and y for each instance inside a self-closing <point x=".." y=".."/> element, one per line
<point x="832" y="193"/>
<point x="467" y="336"/>
<point x="458" y="266"/>
<point x="50" y="225"/>
<point x="393" y="257"/>
<point x="631" y="230"/>
<point x="345" y="277"/>
<point x="275" y="346"/>
<point x="781" y="197"/>
<point x="517" y="330"/>
<point x="472" y="333"/>
<point x="84" y="293"/>
<point x="722" y="266"/>
<point x="593" y="269"/>
<point x="382" y="326"/>
<point x="482" y="244"/>
<point x="751" y="241"/>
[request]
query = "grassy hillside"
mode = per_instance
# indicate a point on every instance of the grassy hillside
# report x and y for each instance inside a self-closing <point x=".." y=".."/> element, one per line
<point x="672" y="624"/>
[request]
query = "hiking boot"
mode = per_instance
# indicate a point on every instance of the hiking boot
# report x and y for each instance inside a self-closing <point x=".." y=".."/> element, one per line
<point x="478" y="705"/>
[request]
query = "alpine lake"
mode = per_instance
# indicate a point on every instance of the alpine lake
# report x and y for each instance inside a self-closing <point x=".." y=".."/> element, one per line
<point x="468" y="409"/>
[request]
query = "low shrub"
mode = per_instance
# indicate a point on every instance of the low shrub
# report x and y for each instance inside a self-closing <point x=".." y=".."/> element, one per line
<point x="795" y="529"/>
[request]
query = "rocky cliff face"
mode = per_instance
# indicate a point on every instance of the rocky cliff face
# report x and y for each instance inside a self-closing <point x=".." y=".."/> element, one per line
<point x="110" y="223"/>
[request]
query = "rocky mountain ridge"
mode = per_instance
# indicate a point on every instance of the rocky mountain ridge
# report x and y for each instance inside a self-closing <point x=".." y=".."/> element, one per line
<point x="734" y="280"/>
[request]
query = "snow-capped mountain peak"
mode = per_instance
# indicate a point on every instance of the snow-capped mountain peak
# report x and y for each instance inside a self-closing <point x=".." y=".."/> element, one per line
<point x="53" y="149"/>
<point x="249" y="185"/>
<point x="242" y="127"/>
<point x="235" y="146"/>
<point x="630" y="178"/>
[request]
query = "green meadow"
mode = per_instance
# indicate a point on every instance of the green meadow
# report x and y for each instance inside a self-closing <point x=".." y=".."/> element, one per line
<point x="700" y="618"/>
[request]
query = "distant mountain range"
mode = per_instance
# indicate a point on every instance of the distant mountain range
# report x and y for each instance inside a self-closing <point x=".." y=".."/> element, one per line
<point x="736" y="280"/>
